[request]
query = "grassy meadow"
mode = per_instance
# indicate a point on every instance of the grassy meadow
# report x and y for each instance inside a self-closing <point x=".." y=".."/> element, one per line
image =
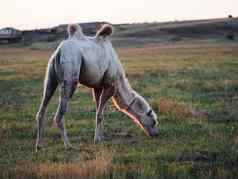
<point x="192" y="85"/>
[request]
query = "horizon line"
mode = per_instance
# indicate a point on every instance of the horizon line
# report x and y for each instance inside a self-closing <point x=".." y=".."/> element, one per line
<point x="138" y="22"/>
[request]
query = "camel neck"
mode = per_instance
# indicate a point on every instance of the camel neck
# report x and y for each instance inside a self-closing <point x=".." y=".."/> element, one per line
<point x="124" y="95"/>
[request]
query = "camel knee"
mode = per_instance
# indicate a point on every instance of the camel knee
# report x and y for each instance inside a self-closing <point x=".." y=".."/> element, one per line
<point x="59" y="123"/>
<point x="99" y="118"/>
<point x="59" y="117"/>
<point x="47" y="93"/>
<point x="63" y="107"/>
<point x="39" y="116"/>
<point x="62" y="110"/>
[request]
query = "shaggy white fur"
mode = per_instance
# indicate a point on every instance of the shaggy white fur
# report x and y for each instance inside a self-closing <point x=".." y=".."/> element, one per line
<point x="93" y="62"/>
<point x="74" y="30"/>
<point x="105" y="30"/>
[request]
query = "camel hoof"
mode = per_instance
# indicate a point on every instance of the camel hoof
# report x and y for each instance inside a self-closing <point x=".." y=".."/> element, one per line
<point x="39" y="147"/>
<point x="70" y="147"/>
<point x="99" y="139"/>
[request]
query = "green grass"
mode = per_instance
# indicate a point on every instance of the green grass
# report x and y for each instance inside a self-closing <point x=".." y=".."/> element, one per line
<point x="192" y="85"/>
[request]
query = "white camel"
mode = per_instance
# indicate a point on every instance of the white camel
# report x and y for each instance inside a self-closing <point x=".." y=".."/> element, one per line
<point x="91" y="61"/>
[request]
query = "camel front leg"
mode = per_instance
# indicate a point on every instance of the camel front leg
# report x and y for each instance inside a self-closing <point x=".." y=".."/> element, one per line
<point x="101" y="99"/>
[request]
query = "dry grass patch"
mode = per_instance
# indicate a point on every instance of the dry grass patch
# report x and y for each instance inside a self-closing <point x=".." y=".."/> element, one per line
<point x="178" y="109"/>
<point x="94" y="168"/>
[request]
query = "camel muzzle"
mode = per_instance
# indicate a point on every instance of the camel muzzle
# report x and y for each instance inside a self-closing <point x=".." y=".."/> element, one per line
<point x="152" y="131"/>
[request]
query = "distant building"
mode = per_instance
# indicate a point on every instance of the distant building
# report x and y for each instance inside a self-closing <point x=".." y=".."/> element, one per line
<point x="9" y="35"/>
<point x="60" y="29"/>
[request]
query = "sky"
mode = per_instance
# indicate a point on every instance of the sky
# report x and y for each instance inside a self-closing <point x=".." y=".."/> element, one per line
<point x="33" y="14"/>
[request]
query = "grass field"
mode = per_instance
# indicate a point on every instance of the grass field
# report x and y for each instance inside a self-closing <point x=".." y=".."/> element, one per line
<point x="192" y="85"/>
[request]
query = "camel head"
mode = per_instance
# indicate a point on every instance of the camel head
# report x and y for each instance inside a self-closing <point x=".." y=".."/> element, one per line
<point x="142" y="114"/>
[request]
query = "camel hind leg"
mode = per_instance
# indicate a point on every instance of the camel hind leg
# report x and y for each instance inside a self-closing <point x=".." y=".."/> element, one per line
<point x="49" y="88"/>
<point x="67" y="90"/>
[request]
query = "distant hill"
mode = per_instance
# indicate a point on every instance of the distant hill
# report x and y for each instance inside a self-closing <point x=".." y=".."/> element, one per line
<point x="134" y="33"/>
<point x="195" y="29"/>
<point x="58" y="32"/>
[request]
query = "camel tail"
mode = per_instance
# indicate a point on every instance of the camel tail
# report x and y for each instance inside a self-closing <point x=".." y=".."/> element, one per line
<point x="104" y="31"/>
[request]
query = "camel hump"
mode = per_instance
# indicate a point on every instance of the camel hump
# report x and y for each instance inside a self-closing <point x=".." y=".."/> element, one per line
<point x="104" y="31"/>
<point x="74" y="30"/>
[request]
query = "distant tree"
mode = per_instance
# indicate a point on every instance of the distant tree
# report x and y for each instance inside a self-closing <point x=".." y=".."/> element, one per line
<point x="230" y="16"/>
